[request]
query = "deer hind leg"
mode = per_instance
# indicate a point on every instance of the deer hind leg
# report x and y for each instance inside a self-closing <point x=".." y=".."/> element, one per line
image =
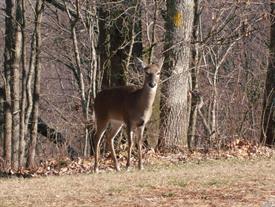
<point x="101" y="127"/>
<point x="130" y="145"/>
<point x="114" y="130"/>
<point x="140" y="131"/>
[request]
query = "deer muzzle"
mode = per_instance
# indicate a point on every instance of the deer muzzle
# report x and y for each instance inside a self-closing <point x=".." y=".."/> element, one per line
<point x="152" y="84"/>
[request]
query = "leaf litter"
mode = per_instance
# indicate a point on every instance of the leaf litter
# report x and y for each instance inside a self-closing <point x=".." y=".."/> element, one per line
<point x="240" y="149"/>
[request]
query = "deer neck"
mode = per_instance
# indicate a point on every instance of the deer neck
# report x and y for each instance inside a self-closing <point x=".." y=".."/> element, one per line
<point x="147" y="96"/>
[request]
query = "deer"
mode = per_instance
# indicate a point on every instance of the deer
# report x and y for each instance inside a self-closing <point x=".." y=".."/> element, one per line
<point x="128" y="106"/>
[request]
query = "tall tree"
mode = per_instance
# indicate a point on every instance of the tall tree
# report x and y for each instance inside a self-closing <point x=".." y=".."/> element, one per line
<point x="15" y="85"/>
<point x="13" y="39"/>
<point x="175" y="74"/>
<point x="268" y="117"/>
<point x="36" y="90"/>
<point x="1" y="121"/>
<point x="120" y="40"/>
<point x="194" y="64"/>
<point x="23" y="130"/>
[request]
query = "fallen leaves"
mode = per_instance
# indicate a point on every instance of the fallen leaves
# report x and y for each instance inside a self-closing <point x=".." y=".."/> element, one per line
<point x="240" y="149"/>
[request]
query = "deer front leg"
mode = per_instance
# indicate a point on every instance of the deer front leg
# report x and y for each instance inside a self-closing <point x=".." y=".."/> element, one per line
<point x="130" y="146"/>
<point x="115" y="128"/>
<point x="140" y="131"/>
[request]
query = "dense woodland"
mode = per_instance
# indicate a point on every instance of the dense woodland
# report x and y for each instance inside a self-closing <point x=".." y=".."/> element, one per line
<point x="217" y="81"/>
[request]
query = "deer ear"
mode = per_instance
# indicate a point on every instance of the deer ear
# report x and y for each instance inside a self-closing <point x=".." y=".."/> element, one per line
<point x="139" y="64"/>
<point x="160" y="62"/>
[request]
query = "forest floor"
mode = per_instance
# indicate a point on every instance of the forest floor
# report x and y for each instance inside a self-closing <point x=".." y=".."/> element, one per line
<point x="209" y="182"/>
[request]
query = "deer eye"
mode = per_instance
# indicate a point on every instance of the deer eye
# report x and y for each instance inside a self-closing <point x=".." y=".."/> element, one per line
<point x="158" y="73"/>
<point x="147" y="73"/>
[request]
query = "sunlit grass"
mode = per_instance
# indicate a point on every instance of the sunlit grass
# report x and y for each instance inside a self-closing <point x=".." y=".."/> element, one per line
<point x="209" y="183"/>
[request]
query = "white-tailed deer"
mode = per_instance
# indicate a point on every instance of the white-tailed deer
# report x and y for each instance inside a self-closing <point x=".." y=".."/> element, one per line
<point x="128" y="106"/>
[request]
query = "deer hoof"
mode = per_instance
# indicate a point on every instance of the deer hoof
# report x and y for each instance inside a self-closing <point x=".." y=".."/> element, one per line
<point x="141" y="167"/>
<point x="128" y="168"/>
<point x="96" y="170"/>
<point x="117" y="168"/>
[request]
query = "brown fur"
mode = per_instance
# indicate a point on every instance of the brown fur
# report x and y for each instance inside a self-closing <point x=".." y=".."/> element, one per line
<point x="126" y="105"/>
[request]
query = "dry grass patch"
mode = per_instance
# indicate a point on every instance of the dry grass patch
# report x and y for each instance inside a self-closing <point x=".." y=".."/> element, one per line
<point x="210" y="183"/>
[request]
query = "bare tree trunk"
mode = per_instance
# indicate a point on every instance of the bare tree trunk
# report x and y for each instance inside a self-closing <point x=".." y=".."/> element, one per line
<point x="268" y="117"/>
<point x="15" y="91"/>
<point x="78" y="71"/>
<point x="7" y="118"/>
<point x="94" y="61"/>
<point x="133" y="34"/>
<point x="31" y="71"/>
<point x="118" y="55"/>
<point x="214" y="111"/>
<point x="92" y="24"/>
<point x="36" y="91"/>
<point x="153" y="35"/>
<point x="1" y="122"/>
<point x="11" y="81"/>
<point x="112" y="39"/>
<point x="194" y="78"/>
<point x="121" y="42"/>
<point x="175" y="74"/>
<point x="85" y="95"/>
<point x="23" y="98"/>
<point x="103" y="48"/>
<point x="7" y="71"/>
<point x="29" y="100"/>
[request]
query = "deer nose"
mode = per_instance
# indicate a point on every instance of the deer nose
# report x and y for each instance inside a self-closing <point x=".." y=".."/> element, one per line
<point x="152" y="84"/>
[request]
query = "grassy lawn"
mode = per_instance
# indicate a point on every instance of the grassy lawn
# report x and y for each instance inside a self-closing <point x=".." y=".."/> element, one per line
<point x="210" y="183"/>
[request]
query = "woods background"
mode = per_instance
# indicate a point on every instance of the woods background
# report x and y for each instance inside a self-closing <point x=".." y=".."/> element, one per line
<point x="217" y="83"/>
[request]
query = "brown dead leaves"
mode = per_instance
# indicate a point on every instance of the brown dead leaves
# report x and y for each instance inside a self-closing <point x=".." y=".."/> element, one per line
<point x="239" y="149"/>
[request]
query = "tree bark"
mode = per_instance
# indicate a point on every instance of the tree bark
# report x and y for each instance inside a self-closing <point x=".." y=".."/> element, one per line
<point x="78" y="71"/>
<point x="104" y="48"/>
<point x="175" y="74"/>
<point x="1" y="122"/>
<point x="118" y="55"/>
<point x="15" y="84"/>
<point x="268" y="117"/>
<point x="194" y="65"/>
<point x="36" y="91"/>
<point x="59" y="4"/>
<point x="43" y="128"/>
<point x="121" y="39"/>
<point x="11" y="81"/>
<point x="22" y="142"/>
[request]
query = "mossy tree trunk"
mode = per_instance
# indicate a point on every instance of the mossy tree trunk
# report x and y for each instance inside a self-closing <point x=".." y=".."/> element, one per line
<point x="176" y="74"/>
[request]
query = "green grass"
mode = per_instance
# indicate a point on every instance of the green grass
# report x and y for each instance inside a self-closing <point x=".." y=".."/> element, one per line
<point x="210" y="183"/>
